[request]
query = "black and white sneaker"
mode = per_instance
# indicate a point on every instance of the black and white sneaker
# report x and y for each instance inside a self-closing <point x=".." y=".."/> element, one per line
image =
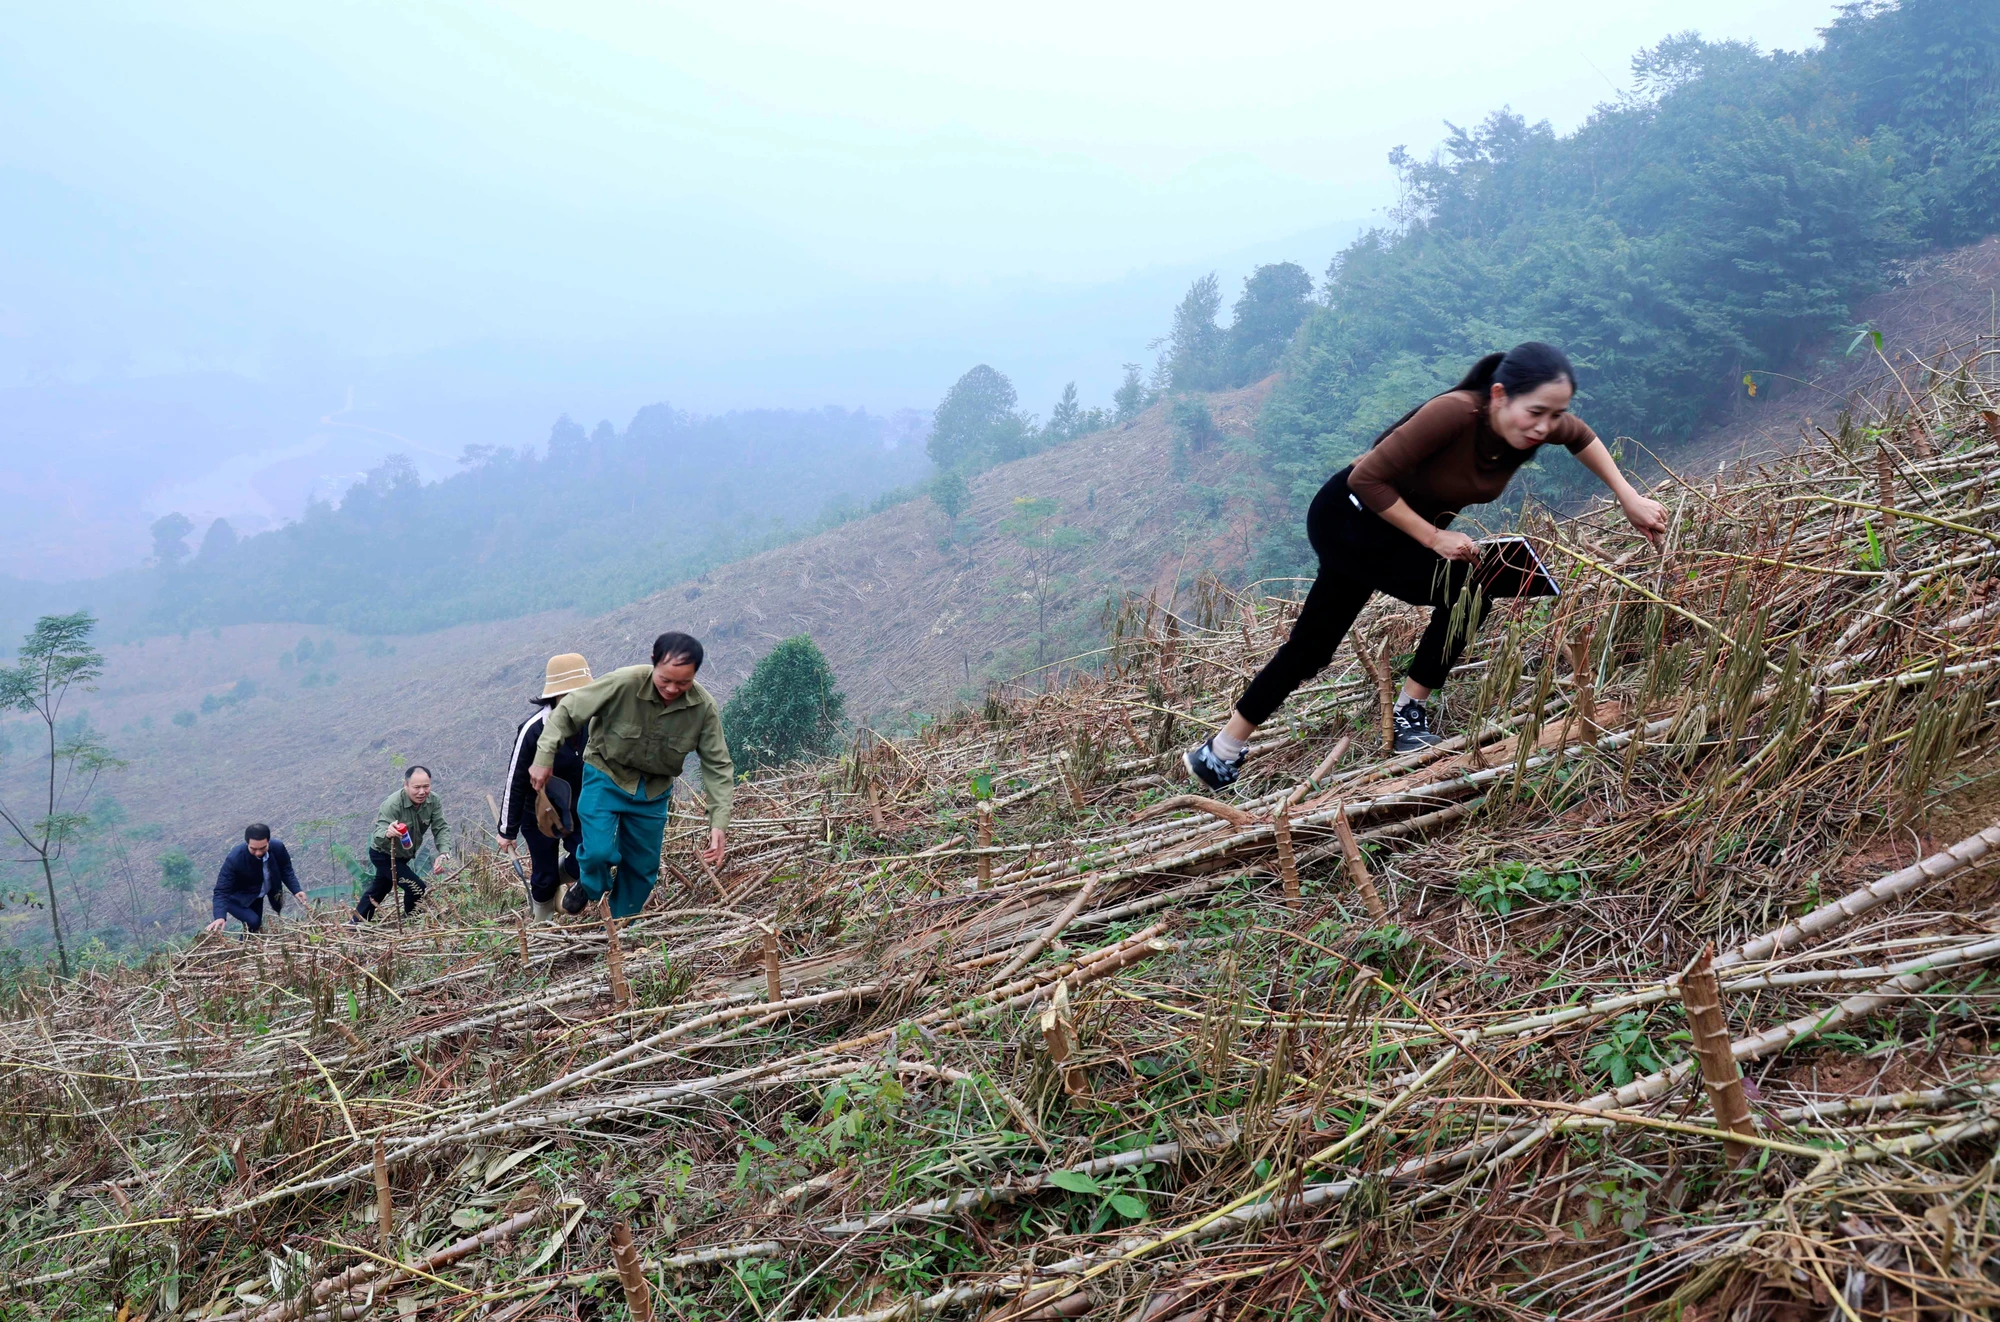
<point x="574" y="900"/>
<point x="1203" y="764"/>
<point x="1413" y="729"/>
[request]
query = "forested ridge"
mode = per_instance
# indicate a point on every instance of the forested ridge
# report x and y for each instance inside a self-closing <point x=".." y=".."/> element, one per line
<point x="1692" y="239"/>
<point x="590" y="521"/>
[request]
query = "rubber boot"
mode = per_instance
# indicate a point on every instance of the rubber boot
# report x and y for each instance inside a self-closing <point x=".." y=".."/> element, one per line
<point x="543" y="910"/>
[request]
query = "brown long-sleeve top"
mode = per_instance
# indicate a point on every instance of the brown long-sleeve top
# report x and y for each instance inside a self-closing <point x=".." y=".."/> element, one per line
<point x="1446" y="457"/>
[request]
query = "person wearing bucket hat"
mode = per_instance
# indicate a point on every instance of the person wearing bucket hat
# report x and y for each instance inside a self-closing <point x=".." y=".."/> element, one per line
<point x="546" y="818"/>
<point x="644" y="722"/>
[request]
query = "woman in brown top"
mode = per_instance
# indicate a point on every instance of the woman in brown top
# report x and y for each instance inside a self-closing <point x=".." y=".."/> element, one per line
<point x="1383" y="525"/>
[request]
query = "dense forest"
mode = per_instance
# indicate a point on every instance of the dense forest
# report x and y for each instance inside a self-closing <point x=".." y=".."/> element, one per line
<point x="1716" y="224"/>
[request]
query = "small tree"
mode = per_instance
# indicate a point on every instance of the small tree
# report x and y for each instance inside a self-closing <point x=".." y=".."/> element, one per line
<point x="951" y="494"/>
<point x="1130" y="398"/>
<point x="170" y="533"/>
<point x="976" y="425"/>
<point x="1276" y="298"/>
<point x="1194" y="348"/>
<point x="1048" y="548"/>
<point x="787" y="709"/>
<point x="1066" y="418"/>
<point x="54" y="659"/>
<point x="177" y="873"/>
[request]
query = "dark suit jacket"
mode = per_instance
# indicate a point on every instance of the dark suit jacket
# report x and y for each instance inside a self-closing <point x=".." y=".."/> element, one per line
<point x="242" y="877"/>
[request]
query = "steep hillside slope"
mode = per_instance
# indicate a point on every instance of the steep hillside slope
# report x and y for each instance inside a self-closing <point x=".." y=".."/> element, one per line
<point x="1663" y="990"/>
<point x="909" y="622"/>
<point x="1952" y="298"/>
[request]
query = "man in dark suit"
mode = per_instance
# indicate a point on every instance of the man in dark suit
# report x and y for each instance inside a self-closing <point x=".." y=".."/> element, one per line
<point x="258" y="868"/>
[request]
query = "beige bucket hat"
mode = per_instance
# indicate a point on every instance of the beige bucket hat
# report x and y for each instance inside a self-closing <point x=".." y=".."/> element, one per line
<point x="566" y="673"/>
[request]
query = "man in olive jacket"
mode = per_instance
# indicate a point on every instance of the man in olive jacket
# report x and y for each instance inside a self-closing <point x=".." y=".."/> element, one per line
<point x="644" y="721"/>
<point x="413" y="811"/>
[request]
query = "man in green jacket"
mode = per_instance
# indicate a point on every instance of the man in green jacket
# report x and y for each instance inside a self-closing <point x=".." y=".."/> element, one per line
<point x="644" y="721"/>
<point x="401" y="824"/>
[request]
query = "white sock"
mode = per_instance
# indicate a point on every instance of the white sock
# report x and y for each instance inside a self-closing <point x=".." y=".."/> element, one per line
<point x="1226" y="748"/>
<point x="1404" y="700"/>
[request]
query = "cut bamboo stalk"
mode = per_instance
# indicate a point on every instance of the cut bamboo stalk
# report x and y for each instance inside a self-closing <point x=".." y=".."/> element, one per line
<point x="241" y="1162"/>
<point x="614" y="961"/>
<point x="521" y="932"/>
<point x="385" y="1207"/>
<point x="1357" y="871"/>
<point x="1059" y="1036"/>
<point x="1701" y="996"/>
<point x="1885" y="483"/>
<point x="875" y="821"/>
<point x="771" y="965"/>
<point x="638" y="1295"/>
<point x="985" y="842"/>
<point x="1376" y="662"/>
<point x="1288" y="865"/>
<point x="1584" y="703"/>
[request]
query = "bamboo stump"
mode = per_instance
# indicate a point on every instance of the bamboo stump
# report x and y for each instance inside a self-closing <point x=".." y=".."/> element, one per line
<point x="1885" y="485"/>
<point x="385" y="1207"/>
<point x="614" y="961"/>
<point x="1701" y="995"/>
<point x="1059" y="1036"/>
<point x="985" y="842"/>
<point x="638" y="1294"/>
<point x="1288" y="864"/>
<point x="1375" y="660"/>
<point x="1357" y="871"/>
<point x="772" y="983"/>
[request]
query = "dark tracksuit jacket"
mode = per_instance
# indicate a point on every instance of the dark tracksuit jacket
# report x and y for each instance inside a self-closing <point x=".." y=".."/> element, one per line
<point x="517" y="809"/>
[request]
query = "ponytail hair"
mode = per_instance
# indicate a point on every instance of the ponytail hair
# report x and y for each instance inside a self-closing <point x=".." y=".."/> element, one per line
<point x="1523" y="368"/>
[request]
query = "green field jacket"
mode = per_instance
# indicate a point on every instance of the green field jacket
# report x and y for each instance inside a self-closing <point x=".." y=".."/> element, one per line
<point x="638" y="739"/>
<point x="428" y="819"/>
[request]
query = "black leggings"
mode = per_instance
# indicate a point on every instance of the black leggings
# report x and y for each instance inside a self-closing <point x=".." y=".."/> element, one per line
<point x="1361" y="554"/>
<point x="544" y="878"/>
<point x="386" y="877"/>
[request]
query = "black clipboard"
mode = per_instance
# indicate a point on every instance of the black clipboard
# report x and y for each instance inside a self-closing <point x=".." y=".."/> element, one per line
<point x="1509" y="567"/>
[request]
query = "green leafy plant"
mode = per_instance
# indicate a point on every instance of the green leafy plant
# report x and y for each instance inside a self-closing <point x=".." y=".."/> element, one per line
<point x="1120" y="1194"/>
<point x="1501" y="886"/>
<point x="1625" y="1051"/>
<point x="1617" y="1201"/>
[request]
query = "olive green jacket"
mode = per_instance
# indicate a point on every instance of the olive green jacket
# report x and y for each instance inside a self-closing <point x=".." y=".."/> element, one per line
<point x="641" y="741"/>
<point x="429" y="817"/>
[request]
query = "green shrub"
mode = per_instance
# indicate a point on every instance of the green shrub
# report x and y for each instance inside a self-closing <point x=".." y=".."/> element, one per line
<point x="787" y="709"/>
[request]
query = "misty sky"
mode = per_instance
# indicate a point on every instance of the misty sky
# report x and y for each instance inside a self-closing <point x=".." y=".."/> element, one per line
<point x="489" y="212"/>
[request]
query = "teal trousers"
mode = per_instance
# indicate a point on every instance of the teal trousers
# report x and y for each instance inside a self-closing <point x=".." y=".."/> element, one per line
<point x="621" y="842"/>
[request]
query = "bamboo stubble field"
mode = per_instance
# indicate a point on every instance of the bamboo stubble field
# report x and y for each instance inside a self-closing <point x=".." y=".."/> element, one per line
<point x="1661" y="990"/>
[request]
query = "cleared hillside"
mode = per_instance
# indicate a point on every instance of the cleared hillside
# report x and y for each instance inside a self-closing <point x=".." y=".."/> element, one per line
<point x="1662" y="991"/>
<point x="909" y="622"/>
